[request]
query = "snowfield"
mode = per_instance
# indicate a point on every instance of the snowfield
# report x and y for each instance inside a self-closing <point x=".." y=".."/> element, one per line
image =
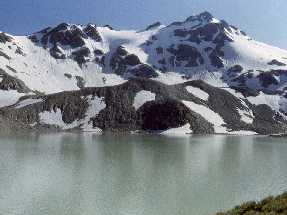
<point x="246" y="116"/>
<point x="181" y="131"/>
<point x="142" y="97"/>
<point x="28" y="102"/>
<point x="198" y="92"/>
<point x="209" y="115"/>
<point x="10" y="97"/>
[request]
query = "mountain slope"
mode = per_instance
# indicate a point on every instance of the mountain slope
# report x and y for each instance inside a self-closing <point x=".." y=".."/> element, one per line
<point x="71" y="57"/>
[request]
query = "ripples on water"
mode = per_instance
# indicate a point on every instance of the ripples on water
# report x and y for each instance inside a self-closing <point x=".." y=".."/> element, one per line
<point x="85" y="174"/>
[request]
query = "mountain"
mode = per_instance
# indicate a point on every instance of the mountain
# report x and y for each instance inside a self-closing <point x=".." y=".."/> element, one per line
<point x="209" y="75"/>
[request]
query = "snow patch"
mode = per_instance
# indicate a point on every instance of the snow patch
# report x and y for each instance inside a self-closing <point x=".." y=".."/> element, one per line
<point x="197" y="92"/>
<point x="9" y="97"/>
<point x="142" y="97"/>
<point x="208" y="114"/>
<point x="184" y="130"/>
<point x="245" y="133"/>
<point x="55" y="118"/>
<point x="246" y="116"/>
<point x="271" y="100"/>
<point x="27" y="102"/>
<point x="96" y="104"/>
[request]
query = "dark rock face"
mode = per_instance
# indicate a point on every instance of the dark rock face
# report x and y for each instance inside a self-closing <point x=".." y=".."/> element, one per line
<point x="217" y="54"/>
<point x="2" y="54"/>
<point x="205" y="33"/>
<point x="68" y="35"/>
<point x="11" y="69"/>
<point x="68" y="75"/>
<point x="57" y="53"/>
<point x="234" y="71"/>
<point x="80" y="82"/>
<point x="159" y="50"/>
<point x="205" y="16"/>
<point x="276" y="63"/>
<point x="132" y="60"/>
<point x="164" y="115"/>
<point x="11" y="83"/>
<point x="19" y="51"/>
<point x="73" y="110"/>
<point x="117" y="61"/>
<point x="109" y="27"/>
<point x="65" y="36"/>
<point x="185" y="53"/>
<point x="79" y="55"/>
<point x="215" y="59"/>
<point x="98" y="52"/>
<point x="267" y="121"/>
<point x="267" y="79"/>
<point x="143" y="71"/>
<point x="153" y="26"/>
<point x="122" y="62"/>
<point x="269" y="82"/>
<point x="211" y="32"/>
<point x="5" y="38"/>
<point x="34" y="39"/>
<point x="188" y="39"/>
<point x="92" y="32"/>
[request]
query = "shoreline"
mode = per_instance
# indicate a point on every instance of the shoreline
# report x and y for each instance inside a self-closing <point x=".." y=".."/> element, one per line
<point x="272" y="205"/>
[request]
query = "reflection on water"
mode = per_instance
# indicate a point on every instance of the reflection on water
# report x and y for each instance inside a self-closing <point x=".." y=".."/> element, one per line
<point x="86" y="174"/>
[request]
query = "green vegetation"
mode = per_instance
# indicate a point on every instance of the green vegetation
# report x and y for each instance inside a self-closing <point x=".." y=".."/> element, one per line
<point x="269" y="206"/>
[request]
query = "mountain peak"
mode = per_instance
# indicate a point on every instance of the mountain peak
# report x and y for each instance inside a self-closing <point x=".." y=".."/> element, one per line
<point x="205" y="16"/>
<point x="153" y="26"/>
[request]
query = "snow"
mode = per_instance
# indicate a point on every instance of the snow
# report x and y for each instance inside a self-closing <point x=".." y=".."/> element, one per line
<point x="43" y="73"/>
<point x="184" y="130"/>
<point x="27" y="102"/>
<point x="198" y="92"/>
<point x="246" y="116"/>
<point x="9" y="97"/>
<point x="142" y="97"/>
<point x="208" y="114"/>
<point x="170" y="78"/>
<point x="217" y="120"/>
<point x="245" y="133"/>
<point x="55" y="118"/>
<point x="253" y="54"/>
<point x="96" y="104"/>
<point x="271" y="100"/>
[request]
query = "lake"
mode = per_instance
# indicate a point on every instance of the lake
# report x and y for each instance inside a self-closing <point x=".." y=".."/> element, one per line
<point x="86" y="174"/>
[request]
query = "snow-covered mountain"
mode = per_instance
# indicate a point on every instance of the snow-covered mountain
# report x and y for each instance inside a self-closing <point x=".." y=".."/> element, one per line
<point x="72" y="57"/>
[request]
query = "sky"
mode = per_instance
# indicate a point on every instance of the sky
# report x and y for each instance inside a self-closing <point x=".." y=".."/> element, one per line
<point x="263" y="20"/>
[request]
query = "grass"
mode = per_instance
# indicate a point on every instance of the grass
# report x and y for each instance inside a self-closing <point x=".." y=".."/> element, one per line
<point x="268" y="206"/>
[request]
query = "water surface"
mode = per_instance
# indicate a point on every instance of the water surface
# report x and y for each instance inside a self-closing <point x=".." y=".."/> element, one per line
<point x="85" y="174"/>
